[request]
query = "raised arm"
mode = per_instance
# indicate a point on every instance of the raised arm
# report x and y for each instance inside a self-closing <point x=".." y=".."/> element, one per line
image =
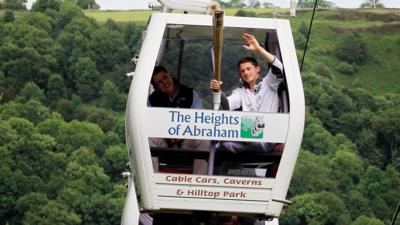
<point x="254" y="46"/>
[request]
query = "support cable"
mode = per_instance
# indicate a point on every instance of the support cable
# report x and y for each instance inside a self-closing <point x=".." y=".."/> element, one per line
<point x="308" y="34"/>
<point x="395" y="214"/>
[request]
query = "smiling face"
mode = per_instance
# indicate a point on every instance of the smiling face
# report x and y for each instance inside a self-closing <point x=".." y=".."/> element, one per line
<point x="249" y="73"/>
<point x="164" y="83"/>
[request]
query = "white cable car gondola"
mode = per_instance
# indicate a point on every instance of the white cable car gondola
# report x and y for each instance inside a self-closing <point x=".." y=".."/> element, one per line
<point x="259" y="186"/>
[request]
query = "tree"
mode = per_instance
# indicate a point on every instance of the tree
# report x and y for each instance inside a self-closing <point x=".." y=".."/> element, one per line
<point x="8" y="16"/>
<point x="347" y="169"/>
<point x="245" y="13"/>
<point x="31" y="92"/>
<point x="87" y="4"/>
<point x="108" y="48"/>
<point x="352" y="49"/>
<point x="315" y="170"/>
<point x="33" y="201"/>
<point x="388" y="128"/>
<point x="132" y="34"/>
<point x="111" y="97"/>
<point x="303" y="29"/>
<point x="52" y="213"/>
<point x="8" y="186"/>
<point x="67" y="12"/>
<point x="29" y="54"/>
<point x="14" y="4"/>
<point x="307" y="209"/>
<point x="253" y="3"/>
<point x="115" y="158"/>
<point x="44" y="5"/>
<point x="378" y="188"/>
<point x="86" y="78"/>
<point x="100" y="116"/>
<point x="372" y="4"/>
<point x="268" y="5"/>
<point x="362" y="220"/>
<point x="55" y="88"/>
<point x="318" y="140"/>
<point x="358" y="204"/>
<point x="84" y="173"/>
<point x="310" y="4"/>
<point x="77" y="134"/>
<point x="337" y="210"/>
<point x="39" y="20"/>
<point x="237" y="3"/>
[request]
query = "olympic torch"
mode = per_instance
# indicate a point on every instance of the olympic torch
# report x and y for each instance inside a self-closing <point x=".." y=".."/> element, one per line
<point x="218" y="22"/>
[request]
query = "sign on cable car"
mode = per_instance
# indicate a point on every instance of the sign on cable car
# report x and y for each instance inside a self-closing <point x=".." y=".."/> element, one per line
<point x="202" y="143"/>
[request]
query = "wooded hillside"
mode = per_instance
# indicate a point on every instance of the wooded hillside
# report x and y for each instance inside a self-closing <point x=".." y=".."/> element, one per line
<point x="63" y="92"/>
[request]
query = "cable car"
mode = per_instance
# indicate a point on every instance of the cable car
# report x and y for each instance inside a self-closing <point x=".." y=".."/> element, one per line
<point x="249" y="183"/>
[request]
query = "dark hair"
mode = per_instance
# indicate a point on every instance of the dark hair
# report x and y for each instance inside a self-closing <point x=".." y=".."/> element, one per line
<point x="246" y="60"/>
<point x="156" y="70"/>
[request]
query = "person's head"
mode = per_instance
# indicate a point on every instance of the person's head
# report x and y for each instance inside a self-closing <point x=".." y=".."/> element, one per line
<point x="249" y="70"/>
<point x="162" y="80"/>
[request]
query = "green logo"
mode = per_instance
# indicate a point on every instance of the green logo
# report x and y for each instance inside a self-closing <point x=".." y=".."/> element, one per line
<point x="252" y="127"/>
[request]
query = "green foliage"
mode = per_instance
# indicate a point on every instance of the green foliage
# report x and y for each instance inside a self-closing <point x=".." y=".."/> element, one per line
<point x="85" y="73"/>
<point x="347" y="169"/>
<point x="39" y="20"/>
<point x="313" y="169"/>
<point x="367" y="220"/>
<point x="108" y="48"/>
<point x="322" y="70"/>
<point x="303" y="29"/>
<point x="318" y="140"/>
<point x="78" y="134"/>
<point x="67" y="12"/>
<point x="52" y="213"/>
<point x="132" y="36"/>
<point x="346" y="68"/>
<point x="85" y="174"/>
<point x="8" y="16"/>
<point x="31" y="92"/>
<point x="14" y="4"/>
<point x="31" y="202"/>
<point x="55" y="89"/>
<point x="352" y="49"/>
<point x="309" y="210"/>
<point x="311" y="3"/>
<point x="44" y="5"/>
<point x="111" y="97"/>
<point x="299" y="41"/>
<point x="372" y="4"/>
<point x="358" y="204"/>
<point x="245" y="13"/>
<point x="389" y="131"/>
<point x="31" y="47"/>
<point x="87" y="4"/>
<point x="32" y="110"/>
<point x="236" y="3"/>
<point x="115" y="159"/>
<point x="101" y="116"/>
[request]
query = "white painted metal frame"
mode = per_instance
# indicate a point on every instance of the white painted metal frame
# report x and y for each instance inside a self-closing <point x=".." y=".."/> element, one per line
<point x="155" y="189"/>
